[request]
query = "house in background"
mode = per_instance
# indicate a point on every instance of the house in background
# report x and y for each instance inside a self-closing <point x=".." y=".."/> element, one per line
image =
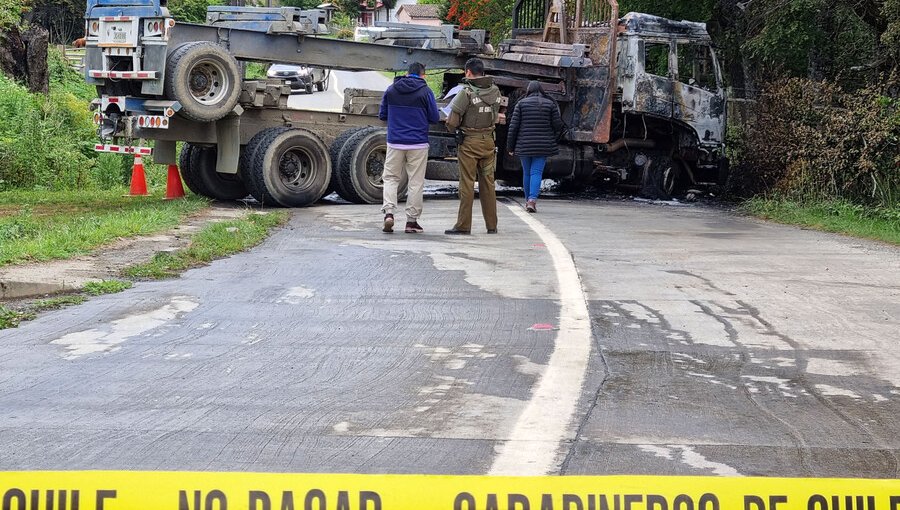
<point x="419" y="14"/>
<point x="329" y="9"/>
<point x="369" y="15"/>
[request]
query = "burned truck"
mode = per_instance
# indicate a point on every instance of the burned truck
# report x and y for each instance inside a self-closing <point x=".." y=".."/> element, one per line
<point x="645" y="104"/>
<point x="642" y="96"/>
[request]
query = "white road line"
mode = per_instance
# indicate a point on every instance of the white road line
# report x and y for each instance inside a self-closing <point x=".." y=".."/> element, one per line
<point x="534" y="446"/>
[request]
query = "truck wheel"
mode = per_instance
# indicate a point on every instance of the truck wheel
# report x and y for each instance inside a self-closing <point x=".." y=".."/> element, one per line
<point x="335" y="152"/>
<point x="205" y="79"/>
<point x="361" y="165"/>
<point x="291" y="168"/>
<point x="662" y="178"/>
<point x="248" y="153"/>
<point x="211" y="183"/>
<point x="187" y="170"/>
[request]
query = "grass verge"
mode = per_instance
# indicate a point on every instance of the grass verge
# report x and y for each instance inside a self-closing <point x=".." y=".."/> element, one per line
<point x="106" y="287"/>
<point x="12" y="317"/>
<point x="214" y="241"/>
<point x="839" y="217"/>
<point x="49" y="225"/>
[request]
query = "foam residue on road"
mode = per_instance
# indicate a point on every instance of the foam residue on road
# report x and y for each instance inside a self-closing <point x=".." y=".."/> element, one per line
<point x="108" y="337"/>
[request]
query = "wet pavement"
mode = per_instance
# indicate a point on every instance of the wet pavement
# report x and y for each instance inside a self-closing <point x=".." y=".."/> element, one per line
<point x="596" y="337"/>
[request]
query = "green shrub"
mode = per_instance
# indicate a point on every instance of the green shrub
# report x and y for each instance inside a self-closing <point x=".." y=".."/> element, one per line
<point x="813" y="140"/>
<point x="45" y="142"/>
<point x="345" y="33"/>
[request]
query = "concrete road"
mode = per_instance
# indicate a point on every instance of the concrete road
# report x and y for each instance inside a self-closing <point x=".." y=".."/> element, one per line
<point x="332" y="100"/>
<point x="595" y="337"/>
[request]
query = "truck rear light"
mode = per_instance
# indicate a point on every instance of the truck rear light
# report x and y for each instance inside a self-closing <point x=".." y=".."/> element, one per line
<point x="152" y="122"/>
<point x="154" y="27"/>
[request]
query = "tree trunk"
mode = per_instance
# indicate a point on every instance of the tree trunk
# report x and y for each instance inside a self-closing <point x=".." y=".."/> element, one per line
<point x="23" y="57"/>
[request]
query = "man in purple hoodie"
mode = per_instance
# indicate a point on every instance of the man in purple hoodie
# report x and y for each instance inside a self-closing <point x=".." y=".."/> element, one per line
<point x="408" y="106"/>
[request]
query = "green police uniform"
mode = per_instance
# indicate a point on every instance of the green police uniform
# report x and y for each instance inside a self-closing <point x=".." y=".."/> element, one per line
<point x="475" y="111"/>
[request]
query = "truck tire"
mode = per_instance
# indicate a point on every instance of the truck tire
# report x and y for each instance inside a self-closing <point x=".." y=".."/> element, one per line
<point x="205" y="79"/>
<point x="661" y="180"/>
<point x="248" y="153"/>
<point x="291" y="168"/>
<point x="211" y="183"/>
<point x="361" y="165"/>
<point x="335" y="152"/>
<point x="187" y="170"/>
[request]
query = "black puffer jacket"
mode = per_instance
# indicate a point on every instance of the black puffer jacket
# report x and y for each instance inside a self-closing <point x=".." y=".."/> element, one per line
<point x="535" y="127"/>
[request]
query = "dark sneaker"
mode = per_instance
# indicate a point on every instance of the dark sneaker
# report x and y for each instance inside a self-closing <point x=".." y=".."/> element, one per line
<point x="413" y="227"/>
<point x="492" y="231"/>
<point x="455" y="232"/>
<point x="530" y="206"/>
<point x="388" y="223"/>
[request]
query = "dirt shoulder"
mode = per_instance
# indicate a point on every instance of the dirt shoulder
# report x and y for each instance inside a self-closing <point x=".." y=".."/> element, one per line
<point x="60" y="276"/>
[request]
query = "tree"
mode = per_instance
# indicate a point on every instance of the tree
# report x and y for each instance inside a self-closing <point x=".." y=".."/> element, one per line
<point x="303" y="4"/>
<point x="191" y="11"/>
<point x="349" y="7"/>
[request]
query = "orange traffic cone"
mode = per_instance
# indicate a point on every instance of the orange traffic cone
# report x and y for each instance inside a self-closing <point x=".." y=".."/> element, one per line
<point x="174" y="188"/>
<point x="138" y="178"/>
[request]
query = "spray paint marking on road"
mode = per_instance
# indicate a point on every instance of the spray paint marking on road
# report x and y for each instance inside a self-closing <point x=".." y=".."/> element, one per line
<point x="534" y="445"/>
<point x="104" y="339"/>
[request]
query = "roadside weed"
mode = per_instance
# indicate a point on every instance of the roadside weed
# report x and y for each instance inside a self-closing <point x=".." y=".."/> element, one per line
<point x="38" y="226"/>
<point x="106" y="287"/>
<point x="881" y="224"/>
<point x="10" y="318"/>
<point x="214" y="241"/>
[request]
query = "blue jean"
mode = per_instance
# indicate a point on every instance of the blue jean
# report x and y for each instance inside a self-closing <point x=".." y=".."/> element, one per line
<point x="532" y="173"/>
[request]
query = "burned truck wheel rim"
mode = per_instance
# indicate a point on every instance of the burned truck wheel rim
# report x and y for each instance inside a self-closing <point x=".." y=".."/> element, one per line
<point x="208" y="81"/>
<point x="374" y="162"/>
<point x="668" y="179"/>
<point x="297" y="169"/>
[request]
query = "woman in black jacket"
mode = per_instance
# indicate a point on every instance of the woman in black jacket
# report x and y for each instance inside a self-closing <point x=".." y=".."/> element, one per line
<point x="533" y="132"/>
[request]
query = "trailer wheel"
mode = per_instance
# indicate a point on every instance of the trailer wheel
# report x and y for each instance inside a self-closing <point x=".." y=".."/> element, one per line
<point x="335" y="152"/>
<point x="291" y="168"/>
<point x="211" y="183"/>
<point x="187" y="170"/>
<point x="361" y="166"/>
<point x="205" y="79"/>
<point x="248" y="153"/>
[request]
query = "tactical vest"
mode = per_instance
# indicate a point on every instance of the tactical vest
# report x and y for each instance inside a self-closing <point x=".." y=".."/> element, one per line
<point x="480" y="114"/>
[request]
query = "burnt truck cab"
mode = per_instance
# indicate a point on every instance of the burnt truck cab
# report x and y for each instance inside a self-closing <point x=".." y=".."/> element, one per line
<point x="642" y="96"/>
<point x="670" y="88"/>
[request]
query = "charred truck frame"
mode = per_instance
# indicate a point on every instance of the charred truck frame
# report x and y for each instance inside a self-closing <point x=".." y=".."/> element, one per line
<point x="642" y="96"/>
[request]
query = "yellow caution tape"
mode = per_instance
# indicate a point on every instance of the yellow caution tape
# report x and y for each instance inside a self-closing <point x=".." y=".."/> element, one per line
<point x="134" y="490"/>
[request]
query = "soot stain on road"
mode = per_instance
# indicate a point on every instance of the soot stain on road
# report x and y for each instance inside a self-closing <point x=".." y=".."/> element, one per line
<point x="701" y="422"/>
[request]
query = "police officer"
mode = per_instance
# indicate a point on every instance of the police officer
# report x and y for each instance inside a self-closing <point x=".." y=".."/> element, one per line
<point x="475" y="111"/>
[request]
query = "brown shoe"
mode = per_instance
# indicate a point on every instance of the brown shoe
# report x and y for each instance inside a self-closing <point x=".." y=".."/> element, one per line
<point x="413" y="227"/>
<point x="388" y="223"/>
<point x="531" y="206"/>
<point x="492" y="231"/>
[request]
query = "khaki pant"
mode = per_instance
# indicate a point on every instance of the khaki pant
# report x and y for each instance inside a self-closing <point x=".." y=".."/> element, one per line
<point x="413" y="162"/>
<point x="477" y="157"/>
